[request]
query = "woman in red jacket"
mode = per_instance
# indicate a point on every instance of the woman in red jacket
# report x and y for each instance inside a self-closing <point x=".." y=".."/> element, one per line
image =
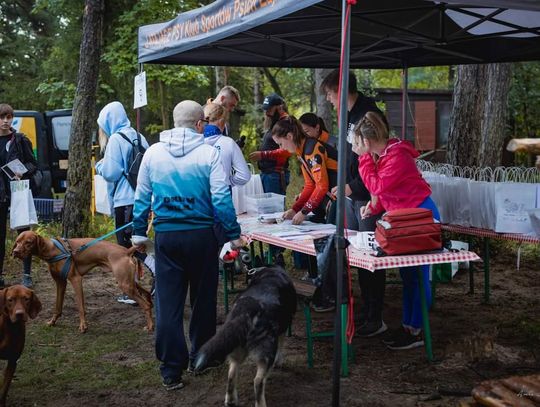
<point x="388" y="169"/>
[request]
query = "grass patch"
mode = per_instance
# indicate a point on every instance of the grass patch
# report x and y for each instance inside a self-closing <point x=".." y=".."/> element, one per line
<point x="103" y="359"/>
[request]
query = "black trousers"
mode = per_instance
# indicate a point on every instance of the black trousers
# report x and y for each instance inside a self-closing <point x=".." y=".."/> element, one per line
<point x="27" y="262"/>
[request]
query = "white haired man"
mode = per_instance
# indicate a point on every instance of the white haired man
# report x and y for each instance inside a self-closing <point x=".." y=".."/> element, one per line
<point x="182" y="178"/>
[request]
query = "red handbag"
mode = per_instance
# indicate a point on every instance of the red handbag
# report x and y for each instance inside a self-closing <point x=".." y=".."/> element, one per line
<point x="408" y="231"/>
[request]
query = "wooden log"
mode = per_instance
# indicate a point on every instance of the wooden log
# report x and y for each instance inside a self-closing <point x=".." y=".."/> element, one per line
<point x="526" y="145"/>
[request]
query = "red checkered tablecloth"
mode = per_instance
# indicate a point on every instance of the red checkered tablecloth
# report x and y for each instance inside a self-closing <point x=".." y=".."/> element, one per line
<point x="516" y="237"/>
<point x="367" y="261"/>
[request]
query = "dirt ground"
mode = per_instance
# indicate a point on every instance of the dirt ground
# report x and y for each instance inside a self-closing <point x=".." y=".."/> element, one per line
<point x="472" y="341"/>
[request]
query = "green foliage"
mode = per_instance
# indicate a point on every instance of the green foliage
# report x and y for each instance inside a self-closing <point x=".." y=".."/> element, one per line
<point x="523" y="100"/>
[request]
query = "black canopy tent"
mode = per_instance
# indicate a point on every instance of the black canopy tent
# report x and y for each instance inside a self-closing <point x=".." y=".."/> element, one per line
<point x="314" y="33"/>
<point x="384" y="34"/>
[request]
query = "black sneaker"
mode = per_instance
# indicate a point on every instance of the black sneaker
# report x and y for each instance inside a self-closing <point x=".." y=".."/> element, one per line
<point x="2" y="282"/>
<point x="173" y="384"/>
<point x="27" y="281"/>
<point x="153" y="288"/>
<point x="372" y="328"/>
<point x="407" y="341"/>
<point x="394" y="335"/>
<point x="323" y="306"/>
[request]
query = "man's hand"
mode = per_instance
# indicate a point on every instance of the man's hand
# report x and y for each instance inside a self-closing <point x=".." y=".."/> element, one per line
<point x="289" y="214"/>
<point x="255" y="156"/>
<point x="141" y="243"/>
<point x="242" y="241"/>
<point x="298" y="218"/>
<point x="348" y="190"/>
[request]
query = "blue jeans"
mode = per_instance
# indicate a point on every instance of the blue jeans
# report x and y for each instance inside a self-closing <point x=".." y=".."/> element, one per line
<point x="186" y="261"/>
<point x="412" y="306"/>
<point x="272" y="182"/>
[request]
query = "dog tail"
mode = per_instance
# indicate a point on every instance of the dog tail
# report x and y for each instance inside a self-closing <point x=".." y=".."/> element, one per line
<point x="230" y="336"/>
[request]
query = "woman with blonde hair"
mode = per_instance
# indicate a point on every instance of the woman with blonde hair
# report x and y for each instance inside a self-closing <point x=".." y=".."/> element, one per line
<point x="388" y="168"/>
<point x="234" y="163"/>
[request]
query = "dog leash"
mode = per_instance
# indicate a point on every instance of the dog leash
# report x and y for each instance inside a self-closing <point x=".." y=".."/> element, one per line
<point x="99" y="239"/>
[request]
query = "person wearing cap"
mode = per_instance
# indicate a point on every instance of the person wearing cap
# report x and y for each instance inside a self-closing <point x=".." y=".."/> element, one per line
<point x="182" y="178"/>
<point x="272" y="160"/>
<point x="372" y="284"/>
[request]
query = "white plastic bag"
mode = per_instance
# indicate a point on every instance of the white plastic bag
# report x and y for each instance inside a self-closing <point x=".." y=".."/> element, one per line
<point x="22" y="213"/>
<point x="253" y="187"/>
<point x="101" y="195"/>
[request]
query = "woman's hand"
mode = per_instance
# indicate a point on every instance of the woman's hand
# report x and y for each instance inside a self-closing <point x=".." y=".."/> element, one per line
<point x="289" y="214"/>
<point x="255" y="156"/>
<point x="348" y="190"/>
<point x="365" y="211"/>
<point x="359" y="146"/>
<point x="298" y="218"/>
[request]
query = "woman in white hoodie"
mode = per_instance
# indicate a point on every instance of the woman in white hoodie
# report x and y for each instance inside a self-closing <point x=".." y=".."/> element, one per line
<point x="234" y="163"/>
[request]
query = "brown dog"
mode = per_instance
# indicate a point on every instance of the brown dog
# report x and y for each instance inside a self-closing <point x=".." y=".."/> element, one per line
<point x="108" y="256"/>
<point x="17" y="303"/>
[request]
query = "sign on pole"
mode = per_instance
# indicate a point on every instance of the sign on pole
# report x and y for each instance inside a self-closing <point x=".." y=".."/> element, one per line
<point x="139" y="92"/>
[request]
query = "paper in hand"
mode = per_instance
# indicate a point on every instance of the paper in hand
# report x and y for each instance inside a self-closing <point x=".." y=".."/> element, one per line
<point x="14" y="169"/>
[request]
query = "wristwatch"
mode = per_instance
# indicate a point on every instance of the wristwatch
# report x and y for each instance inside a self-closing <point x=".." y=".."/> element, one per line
<point x="305" y="211"/>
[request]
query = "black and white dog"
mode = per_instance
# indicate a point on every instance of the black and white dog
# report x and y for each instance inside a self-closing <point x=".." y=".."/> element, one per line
<point x="254" y="327"/>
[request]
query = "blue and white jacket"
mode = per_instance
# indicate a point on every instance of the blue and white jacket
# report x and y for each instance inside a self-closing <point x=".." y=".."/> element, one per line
<point x="183" y="180"/>
<point x="113" y="119"/>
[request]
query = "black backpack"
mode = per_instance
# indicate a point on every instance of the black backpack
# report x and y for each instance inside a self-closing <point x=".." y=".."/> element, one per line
<point x="134" y="159"/>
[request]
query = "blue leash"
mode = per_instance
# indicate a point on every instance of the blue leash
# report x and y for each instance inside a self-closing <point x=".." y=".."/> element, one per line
<point x="65" y="254"/>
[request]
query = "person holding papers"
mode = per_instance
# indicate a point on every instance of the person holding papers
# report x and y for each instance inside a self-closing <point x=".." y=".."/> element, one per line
<point x="319" y="169"/>
<point x="13" y="146"/>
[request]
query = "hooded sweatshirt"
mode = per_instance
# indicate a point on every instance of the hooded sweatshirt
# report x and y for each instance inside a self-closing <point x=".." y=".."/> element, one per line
<point x="394" y="178"/>
<point x="182" y="179"/>
<point x="234" y="163"/>
<point x="113" y="119"/>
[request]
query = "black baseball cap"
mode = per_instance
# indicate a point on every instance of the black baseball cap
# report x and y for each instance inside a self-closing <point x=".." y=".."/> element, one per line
<point x="272" y="100"/>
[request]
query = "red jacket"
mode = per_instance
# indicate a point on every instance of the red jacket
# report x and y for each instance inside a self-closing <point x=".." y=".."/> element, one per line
<point x="394" y="178"/>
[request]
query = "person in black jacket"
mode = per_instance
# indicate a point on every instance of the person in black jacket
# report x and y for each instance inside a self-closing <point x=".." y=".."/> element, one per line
<point x="372" y="284"/>
<point x="13" y="146"/>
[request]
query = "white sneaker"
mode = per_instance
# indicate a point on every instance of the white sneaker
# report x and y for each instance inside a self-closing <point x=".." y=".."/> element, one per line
<point x="126" y="300"/>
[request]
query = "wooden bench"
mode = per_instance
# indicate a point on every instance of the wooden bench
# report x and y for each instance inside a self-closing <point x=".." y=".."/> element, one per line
<point x="518" y="391"/>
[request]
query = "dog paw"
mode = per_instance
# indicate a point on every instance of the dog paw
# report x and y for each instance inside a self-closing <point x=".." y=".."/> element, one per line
<point x="51" y="322"/>
<point x="83" y="328"/>
<point x="148" y="329"/>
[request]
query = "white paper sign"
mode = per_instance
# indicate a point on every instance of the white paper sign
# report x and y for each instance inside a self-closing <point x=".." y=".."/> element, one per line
<point x="139" y="91"/>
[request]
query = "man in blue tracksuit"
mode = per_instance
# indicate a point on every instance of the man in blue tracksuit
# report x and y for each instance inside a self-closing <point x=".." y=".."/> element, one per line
<point x="183" y="179"/>
<point x="113" y="123"/>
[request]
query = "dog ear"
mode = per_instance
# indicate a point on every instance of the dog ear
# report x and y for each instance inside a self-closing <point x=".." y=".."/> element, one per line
<point x="3" y="300"/>
<point x="40" y="245"/>
<point x="35" y="306"/>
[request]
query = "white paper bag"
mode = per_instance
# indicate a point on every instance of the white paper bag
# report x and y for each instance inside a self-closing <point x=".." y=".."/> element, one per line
<point x="22" y="211"/>
<point x="101" y="195"/>
<point x="512" y="201"/>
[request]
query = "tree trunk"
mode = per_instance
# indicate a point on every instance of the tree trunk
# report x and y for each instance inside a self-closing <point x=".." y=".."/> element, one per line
<point x="478" y="119"/>
<point x="257" y="88"/>
<point x="324" y="108"/>
<point x="273" y="82"/>
<point x="77" y="200"/>
<point x="467" y="110"/>
<point x="495" y="115"/>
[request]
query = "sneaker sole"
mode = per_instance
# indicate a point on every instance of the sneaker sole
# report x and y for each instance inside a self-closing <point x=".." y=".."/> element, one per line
<point x="379" y="331"/>
<point x="176" y="386"/>
<point x="409" y="346"/>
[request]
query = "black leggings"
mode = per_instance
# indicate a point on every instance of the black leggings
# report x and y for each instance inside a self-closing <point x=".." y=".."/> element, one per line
<point x="27" y="262"/>
<point x="123" y="215"/>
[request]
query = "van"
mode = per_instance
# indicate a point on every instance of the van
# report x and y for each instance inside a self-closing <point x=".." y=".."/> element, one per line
<point x="49" y="133"/>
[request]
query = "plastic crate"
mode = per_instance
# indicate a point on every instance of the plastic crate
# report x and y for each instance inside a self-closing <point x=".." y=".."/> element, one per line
<point x="49" y="210"/>
<point x="265" y="203"/>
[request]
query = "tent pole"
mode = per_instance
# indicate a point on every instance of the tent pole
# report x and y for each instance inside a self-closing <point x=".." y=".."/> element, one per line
<point x="404" y="101"/>
<point x="340" y="240"/>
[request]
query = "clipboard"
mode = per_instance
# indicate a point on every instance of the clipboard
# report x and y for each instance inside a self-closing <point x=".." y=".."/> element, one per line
<point x="14" y="168"/>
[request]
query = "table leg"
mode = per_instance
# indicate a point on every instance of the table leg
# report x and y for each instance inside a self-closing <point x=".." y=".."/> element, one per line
<point x="471" y="270"/>
<point x="425" y="315"/>
<point x="486" y="270"/>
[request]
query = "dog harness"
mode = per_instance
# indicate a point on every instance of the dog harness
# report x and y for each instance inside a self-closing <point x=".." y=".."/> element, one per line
<point x="64" y="254"/>
<point x="68" y="253"/>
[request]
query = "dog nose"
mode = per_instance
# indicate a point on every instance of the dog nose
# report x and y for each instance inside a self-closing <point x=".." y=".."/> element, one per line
<point x="19" y="314"/>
